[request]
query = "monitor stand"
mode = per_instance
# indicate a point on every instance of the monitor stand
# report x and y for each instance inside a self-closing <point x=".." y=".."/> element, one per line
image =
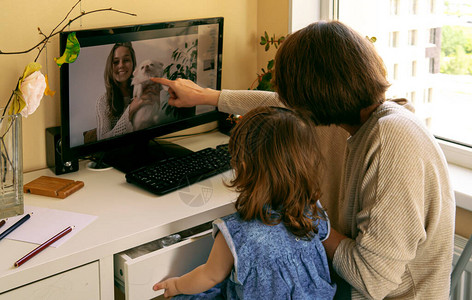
<point x="137" y="155"/>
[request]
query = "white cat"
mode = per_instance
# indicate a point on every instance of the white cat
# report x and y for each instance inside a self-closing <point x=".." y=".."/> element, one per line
<point x="147" y="115"/>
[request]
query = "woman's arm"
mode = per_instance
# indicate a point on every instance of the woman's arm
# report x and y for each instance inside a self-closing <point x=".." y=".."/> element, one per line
<point x="215" y="270"/>
<point x="185" y="93"/>
<point x="332" y="243"/>
<point x="242" y="101"/>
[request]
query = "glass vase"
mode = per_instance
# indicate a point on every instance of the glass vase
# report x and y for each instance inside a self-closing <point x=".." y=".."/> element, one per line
<point x="11" y="166"/>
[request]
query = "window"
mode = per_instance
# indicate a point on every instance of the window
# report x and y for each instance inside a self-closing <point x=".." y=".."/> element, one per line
<point x="394" y="7"/>
<point x="303" y="13"/>
<point x="412" y="36"/>
<point x="413" y="68"/>
<point x="396" y="71"/>
<point x="412" y="97"/>
<point x="394" y="39"/>
<point x="433" y="38"/>
<point x="413" y="7"/>
<point x="431" y="65"/>
<point x="429" y="95"/>
<point x="372" y="18"/>
<point x="432" y="6"/>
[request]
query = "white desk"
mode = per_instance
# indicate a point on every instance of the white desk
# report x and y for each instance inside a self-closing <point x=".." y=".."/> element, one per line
<point x="127" y="217"/>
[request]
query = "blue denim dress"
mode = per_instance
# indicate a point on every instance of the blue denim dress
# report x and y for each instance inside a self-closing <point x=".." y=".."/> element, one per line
<point x="271" y="263"/>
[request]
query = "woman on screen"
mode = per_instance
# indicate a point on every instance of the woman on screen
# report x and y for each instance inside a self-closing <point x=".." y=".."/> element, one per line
<point x="115" y="108"/>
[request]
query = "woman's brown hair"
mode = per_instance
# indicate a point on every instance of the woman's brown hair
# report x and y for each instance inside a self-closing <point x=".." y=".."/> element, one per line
<point x="330" y="70"/>
<point x="114" y="95"/>
<point x="275" y="156"/>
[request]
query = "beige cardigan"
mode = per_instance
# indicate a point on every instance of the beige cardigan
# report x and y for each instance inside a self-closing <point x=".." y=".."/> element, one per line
<point x="387" y="188"/>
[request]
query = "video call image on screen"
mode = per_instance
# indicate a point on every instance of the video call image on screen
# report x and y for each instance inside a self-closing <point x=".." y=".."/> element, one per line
<point x="188" y="52"/>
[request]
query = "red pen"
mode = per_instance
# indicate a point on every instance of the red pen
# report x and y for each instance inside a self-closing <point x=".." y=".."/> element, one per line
<point x="43" y="246"/>
<point x="2" y="222"/>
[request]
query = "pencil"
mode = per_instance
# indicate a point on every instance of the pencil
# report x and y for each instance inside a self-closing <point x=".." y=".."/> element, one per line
<point x="43" y="246"/>
<point x="15" y="226"/>
<point x="2" y="222"/>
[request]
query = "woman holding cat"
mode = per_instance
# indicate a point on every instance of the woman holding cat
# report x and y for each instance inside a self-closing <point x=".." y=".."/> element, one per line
<point x="387" y="188"/>
<point x="116" y="107"/>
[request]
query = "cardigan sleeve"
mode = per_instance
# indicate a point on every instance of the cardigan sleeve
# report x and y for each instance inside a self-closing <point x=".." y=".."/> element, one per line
<point x="240" y="102"/>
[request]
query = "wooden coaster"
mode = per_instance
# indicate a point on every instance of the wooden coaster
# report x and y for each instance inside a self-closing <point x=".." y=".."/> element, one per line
<point x="52" y="186"/>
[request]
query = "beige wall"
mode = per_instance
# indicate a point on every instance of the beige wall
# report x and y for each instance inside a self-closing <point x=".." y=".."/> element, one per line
<point x="273" y="17"/>
<point x="18" y="31"/>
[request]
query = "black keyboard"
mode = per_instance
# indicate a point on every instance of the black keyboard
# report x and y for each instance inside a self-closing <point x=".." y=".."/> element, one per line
<point x="177" y="172"/>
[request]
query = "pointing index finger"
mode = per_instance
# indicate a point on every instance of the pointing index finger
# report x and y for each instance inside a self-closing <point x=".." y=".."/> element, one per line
<point x="161" y="80"/>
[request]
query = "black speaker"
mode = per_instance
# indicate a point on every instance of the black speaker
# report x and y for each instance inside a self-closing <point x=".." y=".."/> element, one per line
<point x="53" y="153"/>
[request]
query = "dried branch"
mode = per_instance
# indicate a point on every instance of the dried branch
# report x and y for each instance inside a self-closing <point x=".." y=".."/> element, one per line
<point x="40" y="46"/>
<point x="46" y="38"/>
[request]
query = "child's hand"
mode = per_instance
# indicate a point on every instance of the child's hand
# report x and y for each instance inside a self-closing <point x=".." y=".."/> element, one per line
<point x="169" y="285"/>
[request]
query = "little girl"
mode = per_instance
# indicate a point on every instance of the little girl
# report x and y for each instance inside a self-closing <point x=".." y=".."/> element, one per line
<point x="271" y="247"/>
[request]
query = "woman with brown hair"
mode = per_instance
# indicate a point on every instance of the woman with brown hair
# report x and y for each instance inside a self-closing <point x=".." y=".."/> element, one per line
<point x="387" y="188"/>
<point x="116" y="107"/>
<point x="272" y="244"/>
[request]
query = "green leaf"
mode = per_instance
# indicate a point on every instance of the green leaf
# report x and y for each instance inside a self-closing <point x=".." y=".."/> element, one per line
<point x="267" y="47"/>
<point x="17" y="104"/>
<point x="270" y="64"/>
<point x="71" y="52"/>
<point x="264" y="83"/>
<point x="263" y="41"/>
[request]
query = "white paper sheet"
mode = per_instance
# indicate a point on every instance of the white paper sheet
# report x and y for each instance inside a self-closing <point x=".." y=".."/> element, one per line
<point x="45" y="223"/>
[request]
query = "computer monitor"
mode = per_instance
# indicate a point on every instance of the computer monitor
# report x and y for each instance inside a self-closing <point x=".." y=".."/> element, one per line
<point x="190" y="49"/>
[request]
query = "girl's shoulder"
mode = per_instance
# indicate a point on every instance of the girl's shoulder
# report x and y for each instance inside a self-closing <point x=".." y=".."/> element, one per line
<point x="232" y="224"/>
<point x="243" y="230"/>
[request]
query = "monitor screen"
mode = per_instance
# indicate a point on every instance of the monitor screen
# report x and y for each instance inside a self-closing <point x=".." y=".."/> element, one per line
<point x="112" y="71"/>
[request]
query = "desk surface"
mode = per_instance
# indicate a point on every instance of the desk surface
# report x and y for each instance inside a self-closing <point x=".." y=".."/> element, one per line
<point x="127" y="217"/>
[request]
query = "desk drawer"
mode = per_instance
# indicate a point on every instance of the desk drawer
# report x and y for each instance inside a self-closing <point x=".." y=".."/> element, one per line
<point x="138" y="269"/>
<point x="75" y="284"/>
